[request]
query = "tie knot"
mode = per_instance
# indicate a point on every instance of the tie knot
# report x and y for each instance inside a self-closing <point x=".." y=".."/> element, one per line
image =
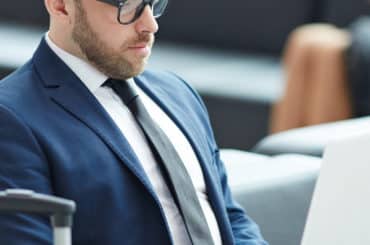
<point x="123" y="89"/>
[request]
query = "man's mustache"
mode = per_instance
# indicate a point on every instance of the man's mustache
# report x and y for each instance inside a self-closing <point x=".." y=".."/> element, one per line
<point x="141" y="39"/>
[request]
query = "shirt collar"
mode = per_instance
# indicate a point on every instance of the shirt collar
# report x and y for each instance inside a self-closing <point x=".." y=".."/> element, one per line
<point x="89" y="75"/>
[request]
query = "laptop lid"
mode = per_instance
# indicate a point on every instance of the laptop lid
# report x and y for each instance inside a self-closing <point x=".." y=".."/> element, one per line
<point x="340" y="208"/>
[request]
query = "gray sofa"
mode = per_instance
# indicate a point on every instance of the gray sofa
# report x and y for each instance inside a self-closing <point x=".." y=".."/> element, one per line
<point x="308" y="141"/>
<point x="275" y="191"/>
<point x="311" y="140"/>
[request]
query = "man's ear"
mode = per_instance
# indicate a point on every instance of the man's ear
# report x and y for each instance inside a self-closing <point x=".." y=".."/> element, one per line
<point x="59" y="8"/>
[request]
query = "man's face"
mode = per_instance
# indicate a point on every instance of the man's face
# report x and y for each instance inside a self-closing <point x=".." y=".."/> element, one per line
<point x="118" y="51"/>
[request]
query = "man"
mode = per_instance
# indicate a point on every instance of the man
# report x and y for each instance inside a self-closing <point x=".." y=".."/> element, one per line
<point x="66" y="129"/>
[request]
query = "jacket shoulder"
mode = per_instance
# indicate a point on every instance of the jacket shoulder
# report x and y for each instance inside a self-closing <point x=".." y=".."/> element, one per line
<point x="20" y="89"/>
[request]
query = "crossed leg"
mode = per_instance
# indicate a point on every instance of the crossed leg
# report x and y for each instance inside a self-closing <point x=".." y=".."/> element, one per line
<point x="316" y="81"/>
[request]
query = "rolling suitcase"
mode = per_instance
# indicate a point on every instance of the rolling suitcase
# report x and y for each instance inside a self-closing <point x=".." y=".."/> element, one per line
<point x="60" y="210"/>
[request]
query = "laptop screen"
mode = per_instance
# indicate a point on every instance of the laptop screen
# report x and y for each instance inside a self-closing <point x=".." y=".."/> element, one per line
<point x="340" y="208"/>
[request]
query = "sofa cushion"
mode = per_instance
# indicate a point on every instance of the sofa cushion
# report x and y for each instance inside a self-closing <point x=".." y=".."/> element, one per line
<point x="311" y="140"/>
<point x="275" y="191"/>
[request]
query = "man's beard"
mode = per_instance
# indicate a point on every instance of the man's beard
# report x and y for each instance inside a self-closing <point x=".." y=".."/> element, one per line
<point x="110" y="62"/>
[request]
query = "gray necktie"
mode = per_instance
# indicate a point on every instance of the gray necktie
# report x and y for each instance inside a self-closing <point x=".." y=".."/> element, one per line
<point x="182" y="186"/>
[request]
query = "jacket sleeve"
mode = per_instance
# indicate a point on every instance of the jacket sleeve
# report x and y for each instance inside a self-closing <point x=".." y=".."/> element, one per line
<point x="22" y="165"/>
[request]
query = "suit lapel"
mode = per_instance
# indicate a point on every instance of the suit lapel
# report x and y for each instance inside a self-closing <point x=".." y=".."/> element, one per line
<point x="66" y="90"/>
<point x="192" y="133"/>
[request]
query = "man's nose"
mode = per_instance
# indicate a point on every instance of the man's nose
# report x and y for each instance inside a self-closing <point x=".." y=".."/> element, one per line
<point x="146" y="22"/>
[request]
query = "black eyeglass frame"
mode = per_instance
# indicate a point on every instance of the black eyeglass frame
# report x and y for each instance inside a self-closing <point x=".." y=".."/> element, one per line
<point x="139" y="10"/>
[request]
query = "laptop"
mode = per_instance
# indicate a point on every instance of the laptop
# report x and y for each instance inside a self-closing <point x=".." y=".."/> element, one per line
<point x="340" y="208"/>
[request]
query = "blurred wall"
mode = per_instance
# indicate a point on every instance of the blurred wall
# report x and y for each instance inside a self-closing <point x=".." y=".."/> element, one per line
<point x="250" y="25"/>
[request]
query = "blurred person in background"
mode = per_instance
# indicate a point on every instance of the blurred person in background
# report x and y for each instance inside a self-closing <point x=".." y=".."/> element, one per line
<point x="327" y="76"/>
<point x="134" y="149"/>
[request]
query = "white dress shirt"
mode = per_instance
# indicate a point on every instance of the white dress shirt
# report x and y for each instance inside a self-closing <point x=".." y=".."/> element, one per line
<point x="93" y="80"/>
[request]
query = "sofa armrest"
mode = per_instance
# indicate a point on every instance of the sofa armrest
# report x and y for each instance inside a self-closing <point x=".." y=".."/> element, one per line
<point x="311" y="140"/>
<point x="275" y="191"/>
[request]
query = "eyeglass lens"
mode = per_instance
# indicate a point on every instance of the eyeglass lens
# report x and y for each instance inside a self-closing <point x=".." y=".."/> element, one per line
<point x="132" y="9"/>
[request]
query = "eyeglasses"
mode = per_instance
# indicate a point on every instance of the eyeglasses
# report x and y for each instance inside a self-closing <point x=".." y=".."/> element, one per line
<point x="130" y="10"/>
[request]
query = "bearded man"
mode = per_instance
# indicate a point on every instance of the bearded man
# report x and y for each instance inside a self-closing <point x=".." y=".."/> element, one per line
<point x="134" y="149"/>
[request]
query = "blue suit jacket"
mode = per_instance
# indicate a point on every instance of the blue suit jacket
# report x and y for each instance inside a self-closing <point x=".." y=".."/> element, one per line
<point x="55" y="138"/>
